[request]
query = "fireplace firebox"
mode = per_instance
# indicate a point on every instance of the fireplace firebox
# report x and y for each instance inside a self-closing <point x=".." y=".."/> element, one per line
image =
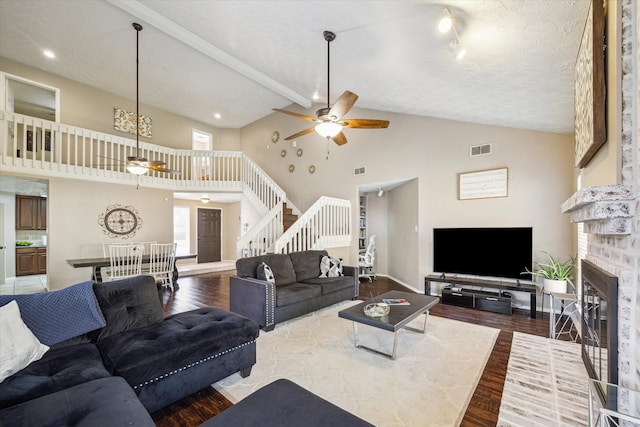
<point x="599" y="323"/>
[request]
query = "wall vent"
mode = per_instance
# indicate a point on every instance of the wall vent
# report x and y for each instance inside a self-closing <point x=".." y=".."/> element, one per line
<point x="362" y="170"/>
<point x="480" y="150"/>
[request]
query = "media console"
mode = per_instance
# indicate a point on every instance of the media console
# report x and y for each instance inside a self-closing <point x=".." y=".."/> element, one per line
<point x="482" y="299"/>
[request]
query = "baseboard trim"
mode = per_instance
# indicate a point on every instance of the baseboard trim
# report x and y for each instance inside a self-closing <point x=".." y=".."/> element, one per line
<point x="420" y="291"/>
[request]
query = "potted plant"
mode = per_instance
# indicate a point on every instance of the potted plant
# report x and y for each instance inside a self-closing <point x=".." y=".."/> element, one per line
<point x="555" y="273"/>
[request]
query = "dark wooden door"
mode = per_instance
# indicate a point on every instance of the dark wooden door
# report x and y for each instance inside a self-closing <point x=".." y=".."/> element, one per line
<point x="209" y="230"/>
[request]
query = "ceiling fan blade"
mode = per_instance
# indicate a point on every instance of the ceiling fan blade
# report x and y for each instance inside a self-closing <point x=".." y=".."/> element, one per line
<point x="154" y="163"/>
<point x="299" y="134"/>
<point x="162" y="169"/>
<point x="340" y="139"/>
<point x="365" y="123"/>
<point x="343" y="105"/>
<point x="300" y="116"/>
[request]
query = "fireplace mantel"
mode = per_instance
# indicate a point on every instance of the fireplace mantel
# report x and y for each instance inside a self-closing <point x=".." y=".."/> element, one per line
<point x="606" y="210"/>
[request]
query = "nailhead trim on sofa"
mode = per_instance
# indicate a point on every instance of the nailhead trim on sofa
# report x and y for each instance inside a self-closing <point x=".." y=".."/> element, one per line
<point x="206" y="359"/>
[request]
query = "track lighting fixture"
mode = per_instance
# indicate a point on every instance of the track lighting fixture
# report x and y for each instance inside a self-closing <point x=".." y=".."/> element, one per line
<point x="380" y="192"/>
<point x="447" y="24"/>
<point x="446" y="21"/>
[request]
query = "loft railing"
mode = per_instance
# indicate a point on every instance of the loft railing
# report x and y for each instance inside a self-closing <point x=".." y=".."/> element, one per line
<point x="41" y="147"/>
<point x="326" y="224"/>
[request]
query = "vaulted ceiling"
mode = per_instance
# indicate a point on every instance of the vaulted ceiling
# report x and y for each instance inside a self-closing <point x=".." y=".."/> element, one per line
<point x="240" y="59"/>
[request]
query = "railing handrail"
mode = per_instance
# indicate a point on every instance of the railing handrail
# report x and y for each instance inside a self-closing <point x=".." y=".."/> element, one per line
<point x="49" y="148"/>
<point x="268" y="228"/>
<point x="316" y="225"/>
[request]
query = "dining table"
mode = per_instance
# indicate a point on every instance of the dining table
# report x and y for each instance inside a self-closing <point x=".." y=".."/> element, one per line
<point x="98" y="263"/>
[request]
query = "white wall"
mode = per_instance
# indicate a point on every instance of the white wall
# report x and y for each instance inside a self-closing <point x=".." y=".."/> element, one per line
<point x="433" y="151"/>
<point x="230" y="214"/>
<point x="74" y="232"/>
<point x="91" y="108"/>
<point x="8" y="202"/>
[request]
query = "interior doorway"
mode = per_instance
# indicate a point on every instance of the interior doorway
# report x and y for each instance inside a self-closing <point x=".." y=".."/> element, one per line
<point x="3" y="247"/>
<point x="209" y="235"/>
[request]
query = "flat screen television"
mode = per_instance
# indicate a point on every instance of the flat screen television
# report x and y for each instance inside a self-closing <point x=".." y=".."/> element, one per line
<point x="494" y="252"/>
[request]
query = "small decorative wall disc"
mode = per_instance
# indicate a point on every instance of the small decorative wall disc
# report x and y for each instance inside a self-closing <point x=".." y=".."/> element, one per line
<point x="275" y="136"/>
<point x="283" y="153"/>
<point x="312" y="169"/>
<point x="299" y="152"/>
<point x="292" y="168"/>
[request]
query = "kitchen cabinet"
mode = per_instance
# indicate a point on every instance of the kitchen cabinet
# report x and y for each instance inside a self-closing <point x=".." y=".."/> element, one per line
<point x="31" y="213"/>
<point x="31" y="261"/>
<point x="42" y="260"/>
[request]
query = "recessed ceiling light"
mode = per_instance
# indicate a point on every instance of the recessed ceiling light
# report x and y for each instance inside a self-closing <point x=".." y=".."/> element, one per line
<point x="217" y="115"/>
<point x="48" y="53"/>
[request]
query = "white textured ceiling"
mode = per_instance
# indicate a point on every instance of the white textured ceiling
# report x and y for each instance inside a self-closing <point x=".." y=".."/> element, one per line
<point x="242" y="58"/>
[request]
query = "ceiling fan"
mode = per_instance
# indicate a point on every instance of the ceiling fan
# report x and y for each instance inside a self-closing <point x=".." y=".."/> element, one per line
<point x="329" y="120"/>
<point x="138" y="165"/>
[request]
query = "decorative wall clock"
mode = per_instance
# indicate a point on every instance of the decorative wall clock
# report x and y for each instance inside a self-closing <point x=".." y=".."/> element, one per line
<point x="120" y="221"/>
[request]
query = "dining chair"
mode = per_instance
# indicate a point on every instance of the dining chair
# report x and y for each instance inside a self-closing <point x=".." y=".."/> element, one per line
<point x="161" y="262"/>
<point x="125" y="260"/>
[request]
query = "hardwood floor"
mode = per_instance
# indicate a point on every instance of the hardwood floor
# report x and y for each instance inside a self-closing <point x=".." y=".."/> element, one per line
<point x="213" y="289"/>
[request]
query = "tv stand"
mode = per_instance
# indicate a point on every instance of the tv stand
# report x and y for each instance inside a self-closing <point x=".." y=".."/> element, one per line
<point x="498" y="284"/>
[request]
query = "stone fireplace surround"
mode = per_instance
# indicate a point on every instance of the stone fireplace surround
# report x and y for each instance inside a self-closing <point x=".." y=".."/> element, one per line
<point x="610" y="213"/>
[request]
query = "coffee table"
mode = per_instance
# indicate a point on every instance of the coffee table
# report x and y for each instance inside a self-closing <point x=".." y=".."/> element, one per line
<point x="398" y="318"/>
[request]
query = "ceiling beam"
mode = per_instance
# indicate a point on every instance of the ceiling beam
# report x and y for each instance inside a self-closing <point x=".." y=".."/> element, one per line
<point x="174" y="30"/>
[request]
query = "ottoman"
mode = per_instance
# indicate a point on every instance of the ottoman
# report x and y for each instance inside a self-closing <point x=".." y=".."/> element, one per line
<point x="284" y="403"/>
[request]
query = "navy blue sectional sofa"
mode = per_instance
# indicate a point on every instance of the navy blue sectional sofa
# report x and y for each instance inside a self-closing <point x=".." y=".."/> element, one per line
<point x="297" y="287"/>
<point x="137" y="363"/>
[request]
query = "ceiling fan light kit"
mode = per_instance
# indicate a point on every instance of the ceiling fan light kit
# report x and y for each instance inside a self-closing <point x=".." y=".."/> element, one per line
<point x="137" y="170"/>
<point x="329" y="122"/>
<point x="328" y="129"/>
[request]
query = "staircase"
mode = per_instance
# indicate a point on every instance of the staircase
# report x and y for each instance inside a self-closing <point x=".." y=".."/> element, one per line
<point x="288" y="217"/>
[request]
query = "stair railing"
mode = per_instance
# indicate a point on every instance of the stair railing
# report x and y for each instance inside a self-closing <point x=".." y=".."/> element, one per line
<point x="262" y="236"/>
<point x="259" y="184"/>
<point x="324" y="225"/>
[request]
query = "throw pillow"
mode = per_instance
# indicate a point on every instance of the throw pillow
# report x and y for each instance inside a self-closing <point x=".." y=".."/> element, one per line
<point x="263" y="272"/>
<point x="330" y="267"/>
<point x="57" y="316"/>
<point x="19" y="346"/>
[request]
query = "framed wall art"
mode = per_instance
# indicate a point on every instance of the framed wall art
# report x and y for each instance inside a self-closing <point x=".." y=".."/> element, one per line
<point x="483" y="184"/>
<point x="125" y="121"/>
<point x="590" y="87"/>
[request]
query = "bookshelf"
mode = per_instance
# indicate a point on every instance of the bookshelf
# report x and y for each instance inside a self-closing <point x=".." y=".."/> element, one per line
<point x="362" y="232"/>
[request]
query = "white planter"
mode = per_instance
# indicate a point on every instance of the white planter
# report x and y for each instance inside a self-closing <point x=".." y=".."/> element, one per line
<point x="556" y="286"/>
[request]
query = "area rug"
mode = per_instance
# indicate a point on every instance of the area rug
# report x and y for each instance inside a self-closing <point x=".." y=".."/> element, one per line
<point x="430" y="382"/>
<point x="546" y="384"/>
